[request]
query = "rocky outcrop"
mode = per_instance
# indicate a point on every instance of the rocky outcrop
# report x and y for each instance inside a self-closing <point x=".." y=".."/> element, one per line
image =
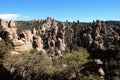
<point x="53" y="33"/>
<point x="8" y="30"/>
<point x="20" y="45"/>
<point x="50" y="36"/>
<point x="3" y="24"/>
<point x="55" y="37"/>
<point x="101" y="41"/>
<point x="100" y="36"/>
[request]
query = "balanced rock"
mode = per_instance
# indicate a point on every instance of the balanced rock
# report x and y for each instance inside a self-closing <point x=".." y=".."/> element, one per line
<point x="11" y="24"/>
<point x="37" y="43"/>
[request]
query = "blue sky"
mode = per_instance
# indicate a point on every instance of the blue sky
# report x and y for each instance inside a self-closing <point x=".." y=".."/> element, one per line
<point x="83" y="10"/>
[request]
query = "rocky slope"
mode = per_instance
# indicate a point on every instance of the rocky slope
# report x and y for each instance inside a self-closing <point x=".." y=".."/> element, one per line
<point x="101" y="39"/>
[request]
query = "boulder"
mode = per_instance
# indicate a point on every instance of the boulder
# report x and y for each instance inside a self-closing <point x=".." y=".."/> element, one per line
<point x="98" y="45"/>
<point x="37" y="43"/>
<point x="89" y="38"/>
<point x="103" y="28"/>
<point x="62" y="44"/>
<point x="8" y="30"/>
<point x="98" y="61"/>
<point x="3" y="24"/>
<point x="55" y="30"/>
<point x="58" y="54"/>
<point x="18" y="43"/>
<point x="28" y="35"/>
<point x="42" y="29"/>
<point x="62" y="26"/>
<point x="11" y="24"/>
<point x="9" y="37"/>
<point x="14" y="52"/>
<point x="101" y="71"/>
<point x="34" y="31"/>
<point x="12" y="32"/>
<point x="27" y="46"/>
<point x="98" y="25"/>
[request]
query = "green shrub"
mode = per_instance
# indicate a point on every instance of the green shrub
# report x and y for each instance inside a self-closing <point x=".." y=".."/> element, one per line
<point x="36" y="65"/>
<point x="29" y="65"/>
<point x="4" y="48"/>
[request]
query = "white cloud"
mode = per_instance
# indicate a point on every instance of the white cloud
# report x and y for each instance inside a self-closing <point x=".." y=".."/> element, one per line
<point x="13" y="16"/>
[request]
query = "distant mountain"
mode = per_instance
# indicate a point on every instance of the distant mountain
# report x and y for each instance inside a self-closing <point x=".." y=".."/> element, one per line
<point x="113" y="23"/>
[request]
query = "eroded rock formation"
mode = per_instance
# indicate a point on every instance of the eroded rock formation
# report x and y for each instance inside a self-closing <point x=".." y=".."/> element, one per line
<point x="55" y="37"/>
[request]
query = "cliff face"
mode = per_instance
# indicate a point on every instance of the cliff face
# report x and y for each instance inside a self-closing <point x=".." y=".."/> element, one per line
<point x="101" y="39"/>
